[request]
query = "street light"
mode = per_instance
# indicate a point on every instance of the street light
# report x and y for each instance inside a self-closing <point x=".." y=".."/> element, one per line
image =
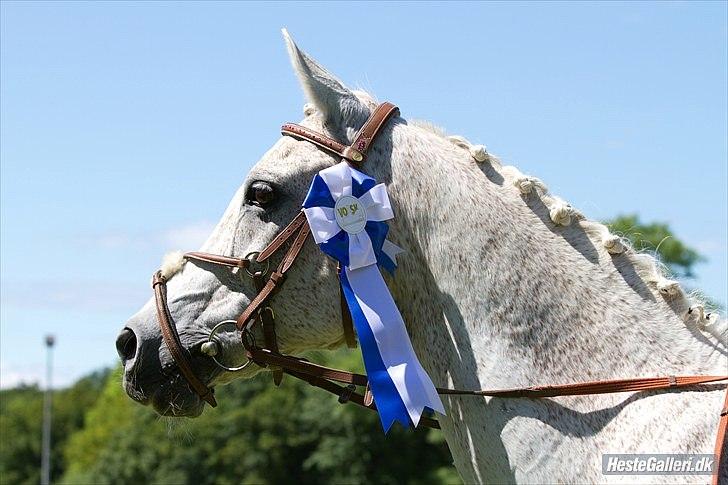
<point x="45" y="464"/>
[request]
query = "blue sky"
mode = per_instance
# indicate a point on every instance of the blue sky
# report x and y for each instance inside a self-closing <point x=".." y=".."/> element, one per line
<point x="108" y="108"/>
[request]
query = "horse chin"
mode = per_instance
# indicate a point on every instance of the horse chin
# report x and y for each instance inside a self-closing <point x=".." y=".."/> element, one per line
<point x="182" y="404"/>
<point x="168" y="396"/>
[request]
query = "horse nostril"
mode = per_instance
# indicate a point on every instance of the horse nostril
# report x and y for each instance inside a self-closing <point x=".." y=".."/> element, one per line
<point x="126" y="344"/>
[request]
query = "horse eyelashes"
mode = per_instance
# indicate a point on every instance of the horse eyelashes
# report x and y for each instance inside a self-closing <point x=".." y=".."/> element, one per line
<point x="261" y="194"/>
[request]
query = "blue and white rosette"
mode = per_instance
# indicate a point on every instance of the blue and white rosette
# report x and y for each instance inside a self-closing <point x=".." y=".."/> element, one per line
<point x="346" y="210"/>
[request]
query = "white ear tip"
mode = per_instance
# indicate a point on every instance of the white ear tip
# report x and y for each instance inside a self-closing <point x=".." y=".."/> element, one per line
<point x="290" y="44"/>
<point x="172" y="263"/>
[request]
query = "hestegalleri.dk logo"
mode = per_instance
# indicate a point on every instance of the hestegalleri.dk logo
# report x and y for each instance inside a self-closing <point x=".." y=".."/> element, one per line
<point x="657" y="464"/>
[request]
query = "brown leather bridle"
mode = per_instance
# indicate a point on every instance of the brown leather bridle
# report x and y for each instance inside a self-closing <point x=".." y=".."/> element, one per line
<point x="339" y="382"/>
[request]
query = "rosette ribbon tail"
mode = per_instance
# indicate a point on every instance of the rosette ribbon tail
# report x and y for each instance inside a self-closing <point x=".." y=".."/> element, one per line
<point x="346" y="210"/>
<point x="401" y="388"/>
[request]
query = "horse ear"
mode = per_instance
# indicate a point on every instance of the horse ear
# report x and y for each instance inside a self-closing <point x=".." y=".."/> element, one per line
<point x="339" y="106"/>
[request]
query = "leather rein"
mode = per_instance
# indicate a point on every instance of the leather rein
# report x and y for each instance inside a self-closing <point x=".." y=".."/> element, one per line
<point x="342" y="383"/>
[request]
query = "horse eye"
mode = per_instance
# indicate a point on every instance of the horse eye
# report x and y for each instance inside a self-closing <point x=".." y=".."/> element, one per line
<point x="260" y="194"/>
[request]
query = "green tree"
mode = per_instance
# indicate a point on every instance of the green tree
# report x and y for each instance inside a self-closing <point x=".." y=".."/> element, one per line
<point x="657" y="237"/>
<point x="112" y="411"/>
<point x="259" y="433"/>
<point x="20" y="429"/>
<point x="21" y="416"/>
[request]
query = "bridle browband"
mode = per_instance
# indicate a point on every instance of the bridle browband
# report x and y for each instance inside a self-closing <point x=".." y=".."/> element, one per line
<point x="340" y="382"/>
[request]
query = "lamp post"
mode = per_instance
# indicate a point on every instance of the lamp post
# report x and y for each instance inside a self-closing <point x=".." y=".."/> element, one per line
<point x="45" y="465"/>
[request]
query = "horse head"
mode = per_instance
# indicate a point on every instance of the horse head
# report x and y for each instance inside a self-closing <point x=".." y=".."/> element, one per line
<point x="201" y="295"/>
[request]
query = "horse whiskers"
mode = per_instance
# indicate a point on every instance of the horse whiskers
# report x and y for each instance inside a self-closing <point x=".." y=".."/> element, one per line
<point x="177" y="428"/>
<point x="171" y="406"/>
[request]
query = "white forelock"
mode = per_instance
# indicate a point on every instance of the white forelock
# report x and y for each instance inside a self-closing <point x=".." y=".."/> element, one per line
<point x="172" y="263"/>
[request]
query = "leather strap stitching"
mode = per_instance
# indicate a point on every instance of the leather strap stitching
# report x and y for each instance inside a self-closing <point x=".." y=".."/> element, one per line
<point x="321" y="141"/>
<point x="374" y="123"/>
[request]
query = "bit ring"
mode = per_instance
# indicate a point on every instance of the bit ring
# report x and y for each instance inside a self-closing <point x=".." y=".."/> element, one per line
<point x="211" y="338"/>
<point x="250" y="257"/>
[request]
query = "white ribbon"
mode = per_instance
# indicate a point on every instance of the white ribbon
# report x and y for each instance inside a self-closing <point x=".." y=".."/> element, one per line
<point x="370" y="292"/>
<point x="412" y="382"/>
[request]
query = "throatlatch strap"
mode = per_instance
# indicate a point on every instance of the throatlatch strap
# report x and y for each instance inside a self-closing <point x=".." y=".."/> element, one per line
<point x="267" y="323"/>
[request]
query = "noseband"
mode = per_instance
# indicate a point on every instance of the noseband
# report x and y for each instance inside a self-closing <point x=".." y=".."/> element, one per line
<point x="259" y="312"/>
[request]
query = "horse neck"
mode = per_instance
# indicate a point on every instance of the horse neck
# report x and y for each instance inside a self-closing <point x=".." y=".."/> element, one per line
<point x="495" y="294"/>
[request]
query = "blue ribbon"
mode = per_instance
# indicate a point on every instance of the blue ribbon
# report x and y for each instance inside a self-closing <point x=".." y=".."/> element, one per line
<point x="389" y="403"/>
<point x="337" y="247"/>
<point x="389" y="390"/>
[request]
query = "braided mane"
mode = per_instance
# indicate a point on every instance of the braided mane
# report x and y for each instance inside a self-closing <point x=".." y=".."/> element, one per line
<point x="691" y="307"/>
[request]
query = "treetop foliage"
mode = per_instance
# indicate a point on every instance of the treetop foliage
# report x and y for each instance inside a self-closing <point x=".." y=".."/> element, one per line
<point x="657" y="237"/>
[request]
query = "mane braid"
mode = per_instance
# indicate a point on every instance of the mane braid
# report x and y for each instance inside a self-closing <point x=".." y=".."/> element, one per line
<point x="690" y="307"/>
